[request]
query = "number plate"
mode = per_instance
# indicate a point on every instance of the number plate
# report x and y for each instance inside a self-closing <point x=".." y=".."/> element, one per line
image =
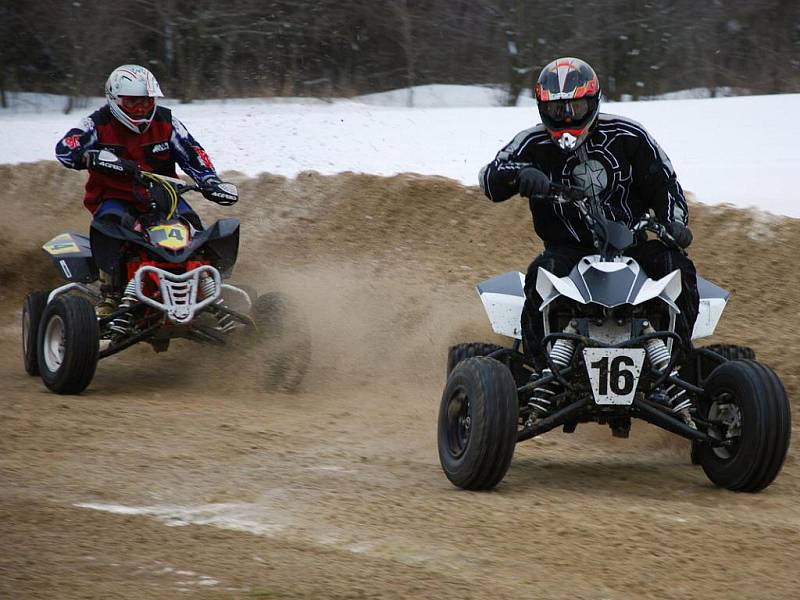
<point x="174" y="236"/>
<point x="614" y="373"/>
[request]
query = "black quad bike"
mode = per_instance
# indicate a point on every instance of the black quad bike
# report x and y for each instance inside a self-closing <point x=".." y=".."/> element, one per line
<point x="612" y="355"/>
<point x="169" y="273"/>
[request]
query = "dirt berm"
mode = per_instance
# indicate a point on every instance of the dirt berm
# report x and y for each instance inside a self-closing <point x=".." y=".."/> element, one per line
<point x="174" y="476"/>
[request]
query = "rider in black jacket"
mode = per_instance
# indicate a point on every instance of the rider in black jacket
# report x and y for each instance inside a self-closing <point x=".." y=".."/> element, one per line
<point x="613" y="159"/>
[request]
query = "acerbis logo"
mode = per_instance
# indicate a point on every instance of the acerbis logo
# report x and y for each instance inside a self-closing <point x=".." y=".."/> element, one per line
<point x="162" y="147"/>
<point x="110" y="165"/>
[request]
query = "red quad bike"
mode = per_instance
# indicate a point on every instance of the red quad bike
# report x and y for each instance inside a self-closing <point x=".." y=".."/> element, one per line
<point x="612" y="355"/>
<point x="170" y="272"/>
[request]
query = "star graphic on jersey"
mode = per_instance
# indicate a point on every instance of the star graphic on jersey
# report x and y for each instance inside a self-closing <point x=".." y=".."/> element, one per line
<point x="591" y="177"/>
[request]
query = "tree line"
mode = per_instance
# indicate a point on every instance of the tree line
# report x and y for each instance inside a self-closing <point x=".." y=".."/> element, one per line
<point x="212" y="49"/>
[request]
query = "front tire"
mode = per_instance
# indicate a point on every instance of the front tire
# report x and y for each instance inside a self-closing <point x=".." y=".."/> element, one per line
<point x="477" y="426"/>
<point x="32" y="308"/>
<point x="728" y="352"/>
<point x="68" y="344"/>
<point x="749" y="404"/>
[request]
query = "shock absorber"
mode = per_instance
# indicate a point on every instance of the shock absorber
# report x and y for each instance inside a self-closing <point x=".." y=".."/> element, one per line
<point x="659" y="357"/>
<point x="225" y="322"/>
<point x="561" y="356"/>
<point x="122" y="323"/>
<point x="656" y="348"/>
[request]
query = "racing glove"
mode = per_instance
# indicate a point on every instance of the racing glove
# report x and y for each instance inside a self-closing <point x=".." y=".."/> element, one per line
<point x="532" y="182"/>
<point x="680" y="233"/>
<point x="216" y="190"/>
<point x="105" y="161"/>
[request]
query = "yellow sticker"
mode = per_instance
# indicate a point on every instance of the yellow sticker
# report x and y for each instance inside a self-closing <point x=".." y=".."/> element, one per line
<point x="61" y="244"/>
<point x="173" y="237"/>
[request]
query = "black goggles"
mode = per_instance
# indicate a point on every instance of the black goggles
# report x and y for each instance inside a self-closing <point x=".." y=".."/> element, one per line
<point x="560" y="110"/>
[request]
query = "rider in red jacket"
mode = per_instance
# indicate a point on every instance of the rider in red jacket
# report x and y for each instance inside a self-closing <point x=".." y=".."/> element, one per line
<point x="134" y="128"/>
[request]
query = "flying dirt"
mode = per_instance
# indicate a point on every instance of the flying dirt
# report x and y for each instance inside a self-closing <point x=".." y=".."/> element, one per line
<point x="176" y="475"/>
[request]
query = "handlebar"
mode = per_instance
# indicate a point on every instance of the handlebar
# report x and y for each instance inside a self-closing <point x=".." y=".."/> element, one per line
<point x="145" y="178"/>
<point x="560" y="193"/>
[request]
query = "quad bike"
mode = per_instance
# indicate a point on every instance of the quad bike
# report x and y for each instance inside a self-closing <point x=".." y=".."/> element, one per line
<point x="610" y="344"/>
<point x="170" y="272"/>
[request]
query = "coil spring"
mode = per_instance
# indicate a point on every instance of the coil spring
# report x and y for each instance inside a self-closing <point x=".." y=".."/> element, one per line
<point x="563" y="349"/>
<point x="539" y="401"/>
<point x="123" y="323"/>
<point x="208" y="287"/>
<point x="561" y="355"/>
<point x="657" y="353"/>
<point x="225" y="322"/>
<point x="562" y="352"/>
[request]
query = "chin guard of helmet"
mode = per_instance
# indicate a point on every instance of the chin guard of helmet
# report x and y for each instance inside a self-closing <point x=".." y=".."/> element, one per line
<point x="567" y="141"/>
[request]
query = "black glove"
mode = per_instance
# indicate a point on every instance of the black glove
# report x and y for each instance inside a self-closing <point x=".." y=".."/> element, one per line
<point x="532" y="182"/>
<point x="680" y="233"/>
<point x="219" y="191"/>
<point x="105" y="161"/>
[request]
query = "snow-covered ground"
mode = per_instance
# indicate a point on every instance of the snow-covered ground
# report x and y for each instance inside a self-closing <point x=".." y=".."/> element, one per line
<point x="738" y="150"/>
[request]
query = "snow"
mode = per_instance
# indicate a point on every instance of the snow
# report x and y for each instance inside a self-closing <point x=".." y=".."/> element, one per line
<point x="738" y="150"/>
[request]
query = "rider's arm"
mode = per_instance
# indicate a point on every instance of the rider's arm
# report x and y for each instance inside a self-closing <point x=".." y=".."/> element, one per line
<point x="71" y="148"/>
<point x="654" y="176"/>
<point x="499" y="179"/>
<point x="189" y="155"/>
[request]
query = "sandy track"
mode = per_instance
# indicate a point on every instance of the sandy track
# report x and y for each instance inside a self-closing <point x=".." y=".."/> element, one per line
<point x="336" y="491"/>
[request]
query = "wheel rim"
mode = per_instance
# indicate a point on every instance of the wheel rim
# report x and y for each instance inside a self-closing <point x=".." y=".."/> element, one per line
<point x="728" y="413"/>
<point x="54" y="342"/>
<point x="26" y="331"/>
<point x="459" y="423"/>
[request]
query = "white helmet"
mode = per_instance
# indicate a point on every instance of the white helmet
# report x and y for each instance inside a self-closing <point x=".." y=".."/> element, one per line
<point x="132" y="81"/>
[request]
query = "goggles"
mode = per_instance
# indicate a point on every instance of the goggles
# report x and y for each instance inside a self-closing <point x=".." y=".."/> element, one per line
<point x="137" y="106"/>
<point x="561" y="110"/>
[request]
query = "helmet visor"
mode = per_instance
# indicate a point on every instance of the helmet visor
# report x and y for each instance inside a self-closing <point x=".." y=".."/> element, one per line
<point x="566" y="111"/>
<point x="137" y="107"/>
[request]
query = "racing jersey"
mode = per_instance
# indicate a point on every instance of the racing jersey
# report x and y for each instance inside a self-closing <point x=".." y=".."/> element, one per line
<point x="619" y="164"/>
<point x="165" y="143"/>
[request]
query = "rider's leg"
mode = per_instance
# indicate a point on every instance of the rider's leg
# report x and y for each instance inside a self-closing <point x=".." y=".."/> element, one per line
<point x="558" y="260"/>
<point x="113" y="275"/>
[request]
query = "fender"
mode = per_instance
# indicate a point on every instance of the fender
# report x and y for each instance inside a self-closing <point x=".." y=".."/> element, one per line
<point x="503" y="298"/>
<point x="71" y="254"/>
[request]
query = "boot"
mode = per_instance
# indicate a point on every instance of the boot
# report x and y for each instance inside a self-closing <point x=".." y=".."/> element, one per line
<point x="108" y="304"/>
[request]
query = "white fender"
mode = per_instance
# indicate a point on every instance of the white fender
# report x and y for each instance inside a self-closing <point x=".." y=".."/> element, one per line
<point x="503" y="298"/>
<point x="669" y="288"/>
<point x="550" y="287"/>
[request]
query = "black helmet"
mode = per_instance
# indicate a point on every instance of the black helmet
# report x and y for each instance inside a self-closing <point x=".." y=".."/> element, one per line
<point x="568" y="96"/>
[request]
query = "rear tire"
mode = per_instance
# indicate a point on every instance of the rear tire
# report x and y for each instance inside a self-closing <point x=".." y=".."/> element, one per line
<point x="747" y="392"/>
<point x="68" y="342"/>
<point x="32" y="308"/>
<point x="459" y="352"/>
<point x="732" y="351"/>
<point x="285" y="338"/>
<point x="477" y="425"/>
